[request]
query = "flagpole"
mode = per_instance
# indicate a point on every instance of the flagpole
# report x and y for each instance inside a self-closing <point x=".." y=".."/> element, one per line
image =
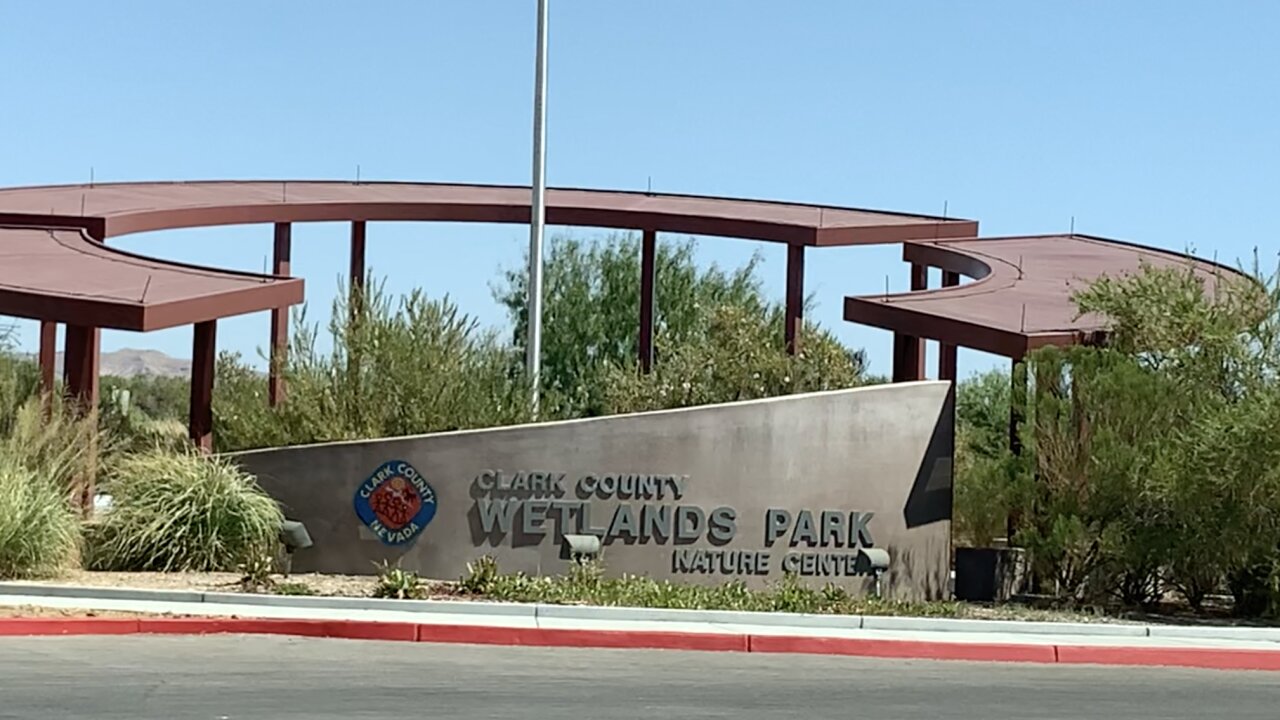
<point x="533" y="350"/>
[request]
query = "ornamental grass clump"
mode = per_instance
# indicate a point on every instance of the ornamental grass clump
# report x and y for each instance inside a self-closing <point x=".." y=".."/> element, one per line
<point x="39" y="531"/>
<point x="182" y="512"/>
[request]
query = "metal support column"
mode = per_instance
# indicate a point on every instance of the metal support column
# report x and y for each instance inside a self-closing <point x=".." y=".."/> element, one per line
<point x="947" y="351"/>
<point x="283" y="250"/>
<point x="48" y="359"/>
<point x="648" y="276"/>
<point x="80" y="366"/>
<point x="80" y="376"/>
<point x="795" y="298"/>
<point x="355" y="274"/>
<point x="908" y="358"/>
<point x="203" y="359"/>
<point x="908" y="350"/>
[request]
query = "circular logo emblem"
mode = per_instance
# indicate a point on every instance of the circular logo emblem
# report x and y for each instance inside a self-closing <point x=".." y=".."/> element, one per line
<point x="395" y="502"/>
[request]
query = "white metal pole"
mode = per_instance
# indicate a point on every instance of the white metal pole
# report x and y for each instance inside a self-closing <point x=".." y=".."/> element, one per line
<point x="538" y="206"/>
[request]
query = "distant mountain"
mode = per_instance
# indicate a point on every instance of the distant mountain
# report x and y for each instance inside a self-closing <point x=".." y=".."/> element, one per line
<point x="129" y="363"/>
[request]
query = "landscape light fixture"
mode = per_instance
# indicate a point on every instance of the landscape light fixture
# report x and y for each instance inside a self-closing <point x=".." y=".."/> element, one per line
<point x="580" y="548"/>
<point x="294" y="536"/>
<point x="878" y="559"/>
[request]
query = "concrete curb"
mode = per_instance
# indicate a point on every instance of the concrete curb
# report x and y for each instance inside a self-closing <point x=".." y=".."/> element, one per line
<point x="1208" y="658"/>
<point x="482" y="609"/>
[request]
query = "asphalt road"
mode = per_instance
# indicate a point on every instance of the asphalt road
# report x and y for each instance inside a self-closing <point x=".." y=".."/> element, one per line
<point x="235" y="677"/>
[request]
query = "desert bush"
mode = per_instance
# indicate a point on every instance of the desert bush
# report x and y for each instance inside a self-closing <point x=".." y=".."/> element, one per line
<point x="180" y="512"/>
<point x="740" y="356"/>
<point x="157" y="397"/>
<point x="414" y="365"/>
<point x="39" y="530"/>
<point x="396" y="368"/>
<point x="1151" y="460"/>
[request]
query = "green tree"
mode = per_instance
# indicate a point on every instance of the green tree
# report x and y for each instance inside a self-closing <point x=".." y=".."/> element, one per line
<point x="591" y="316"/>
<point x="1153" y="458"/>
<point x="986" y="475"/>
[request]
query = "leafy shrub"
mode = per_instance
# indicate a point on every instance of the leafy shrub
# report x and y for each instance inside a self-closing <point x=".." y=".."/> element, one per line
<point x="182" y="512"/>
<point x="39" y="531"/>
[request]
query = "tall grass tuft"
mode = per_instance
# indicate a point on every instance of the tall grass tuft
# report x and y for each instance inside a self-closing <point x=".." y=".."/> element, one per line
<point x="39" y="531"/>
<point x="58" y="445"/>
<point x="182" y="512"/>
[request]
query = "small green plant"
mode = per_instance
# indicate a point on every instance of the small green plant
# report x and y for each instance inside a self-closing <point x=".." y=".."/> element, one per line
<point x="255" y="574"/>
<point x="293" y="588"/>
<point x="482" y="575"/>
<point x="791" y="596"/>
<point x="398" y="583"/>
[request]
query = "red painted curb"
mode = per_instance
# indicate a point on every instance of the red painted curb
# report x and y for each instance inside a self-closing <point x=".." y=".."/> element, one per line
<point x="1192" y="657"/>
<point x="68" y="626"/>
<point x="247" y="626"/>
<point x="557" y="637"/>
<point x="985" y="652"/>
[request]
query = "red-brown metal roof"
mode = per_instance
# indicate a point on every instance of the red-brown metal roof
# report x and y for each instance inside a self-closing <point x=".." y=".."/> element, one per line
<point x="137" y="207"/>
<point x="50" y="268"/>
<point x="64" y="275"/>
<point x="1021" y="297"/>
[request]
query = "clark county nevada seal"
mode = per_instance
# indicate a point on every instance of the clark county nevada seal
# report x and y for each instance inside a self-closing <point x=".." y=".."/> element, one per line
<point x="396" y="502"/>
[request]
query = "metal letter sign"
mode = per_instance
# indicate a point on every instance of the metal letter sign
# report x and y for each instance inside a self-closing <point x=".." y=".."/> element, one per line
<point x="396" y="502"/>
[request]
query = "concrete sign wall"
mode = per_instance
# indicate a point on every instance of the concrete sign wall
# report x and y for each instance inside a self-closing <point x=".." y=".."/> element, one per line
<point x="748" y="490"/>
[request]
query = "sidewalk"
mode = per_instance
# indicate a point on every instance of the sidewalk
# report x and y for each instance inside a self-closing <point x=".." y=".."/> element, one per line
<point x="556" y="625"/>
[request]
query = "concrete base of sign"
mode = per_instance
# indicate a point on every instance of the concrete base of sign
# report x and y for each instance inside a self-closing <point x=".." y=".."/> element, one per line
<point x="746" y="491"/>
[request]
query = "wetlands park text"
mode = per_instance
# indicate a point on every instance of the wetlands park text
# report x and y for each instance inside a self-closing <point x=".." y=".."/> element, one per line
<point x="650" y="511"/>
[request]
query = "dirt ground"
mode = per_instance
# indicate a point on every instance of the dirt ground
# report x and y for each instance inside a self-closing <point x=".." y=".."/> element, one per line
<point x="330" y="585"/>
<point x="28" y="611"/>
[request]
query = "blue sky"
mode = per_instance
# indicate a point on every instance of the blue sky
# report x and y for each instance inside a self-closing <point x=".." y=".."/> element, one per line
<point x="1147" y="121"/>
